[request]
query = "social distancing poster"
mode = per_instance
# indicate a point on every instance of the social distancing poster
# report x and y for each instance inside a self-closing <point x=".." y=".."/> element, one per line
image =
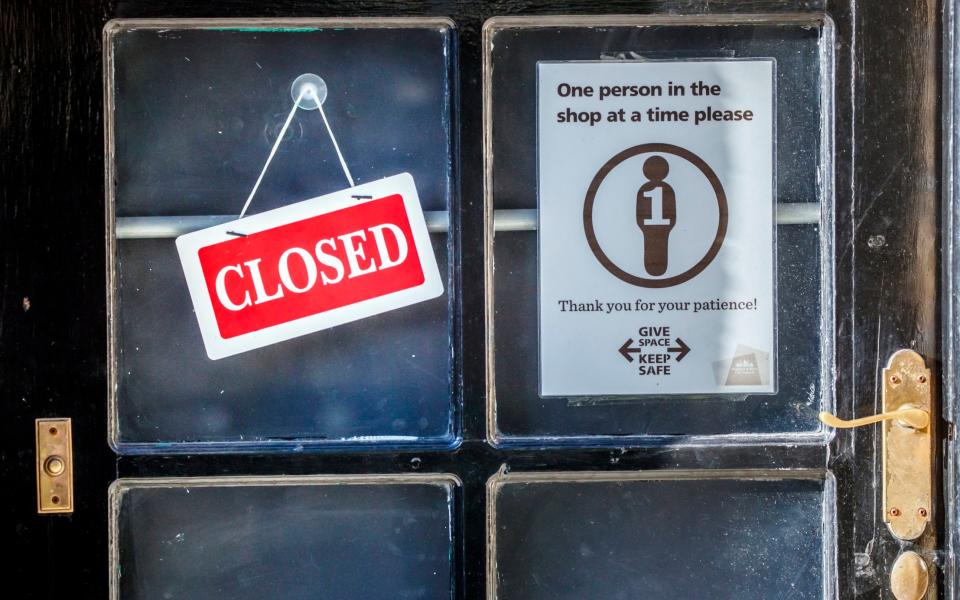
<point x="657" y="237"/>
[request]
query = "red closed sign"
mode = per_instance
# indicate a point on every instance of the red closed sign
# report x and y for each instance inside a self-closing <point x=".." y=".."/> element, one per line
<point x="309" y="266"/>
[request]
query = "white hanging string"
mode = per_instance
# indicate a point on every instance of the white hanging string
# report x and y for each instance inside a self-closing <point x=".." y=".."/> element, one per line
<point x="336" y="146"/>
<point x="273" y="151"/>
<point x="306" y="91"/>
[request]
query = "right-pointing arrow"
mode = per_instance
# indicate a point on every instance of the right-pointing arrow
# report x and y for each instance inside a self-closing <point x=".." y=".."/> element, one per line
<point x="681" y="348"/>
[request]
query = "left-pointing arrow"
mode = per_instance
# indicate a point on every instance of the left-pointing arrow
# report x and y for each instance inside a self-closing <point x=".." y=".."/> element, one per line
<point x="625" y="350"/>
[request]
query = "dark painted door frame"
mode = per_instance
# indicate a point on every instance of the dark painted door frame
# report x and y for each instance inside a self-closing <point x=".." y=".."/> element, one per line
<point x="52" y="320"/>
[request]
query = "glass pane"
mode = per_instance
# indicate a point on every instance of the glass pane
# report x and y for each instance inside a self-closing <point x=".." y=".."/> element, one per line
<point x="197" y="108"/>
<point x="802" y="49"/>
<point x="666" y="535"/>
<point x="298" y="537"/>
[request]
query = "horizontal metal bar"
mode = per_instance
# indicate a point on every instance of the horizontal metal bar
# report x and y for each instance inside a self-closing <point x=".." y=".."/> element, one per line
<point x="798" y="213"/>
<point x="132" y="228"/>
<point x="515" y="219"/>
<point x="525" y="219"/>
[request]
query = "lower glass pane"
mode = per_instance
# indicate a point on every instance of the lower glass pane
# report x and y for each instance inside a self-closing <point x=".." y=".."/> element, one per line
<point x="332" y="538"/>
<point x="613" y="536"/>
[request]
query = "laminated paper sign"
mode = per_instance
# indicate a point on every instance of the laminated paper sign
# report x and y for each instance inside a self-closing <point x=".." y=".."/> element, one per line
<point x="309" y="266"/>
<point x="656" y="227"/>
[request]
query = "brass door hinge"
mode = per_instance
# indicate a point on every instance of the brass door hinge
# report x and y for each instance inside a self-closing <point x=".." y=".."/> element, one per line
<point x="907" y="444"/>
<point x="54" y="466"/>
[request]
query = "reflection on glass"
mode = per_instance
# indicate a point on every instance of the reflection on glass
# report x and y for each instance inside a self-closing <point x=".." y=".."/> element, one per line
<point x="665" y="535"/>
<point x="368" y="537"/>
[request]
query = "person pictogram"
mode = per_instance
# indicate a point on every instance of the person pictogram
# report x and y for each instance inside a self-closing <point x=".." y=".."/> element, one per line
<point x="656" y="214"/>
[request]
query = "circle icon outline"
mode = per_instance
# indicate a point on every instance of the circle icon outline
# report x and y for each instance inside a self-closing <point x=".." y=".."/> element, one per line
<point x="590" y="200"/>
